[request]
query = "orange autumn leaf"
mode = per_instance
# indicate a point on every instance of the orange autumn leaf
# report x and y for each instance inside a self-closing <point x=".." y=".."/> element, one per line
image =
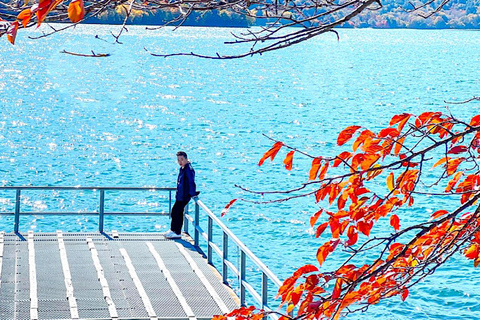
<point x="271" y="153"/>
<point x="438" y="214"/>
<point x="314" y="218"/>
<point x="451" y="184"/>
<point x="314" y="169"/>
<point x="342" y="157"/>
<point x="323" y="172"/>
<point x="25" y="16"/>
<point x="323" y="252"/>
<point x="399" y="145"/>
<point x="227" y="207"/>
<point x="452" y="165"/>
<point x="441" y="161"/>
<point x="368" y="161"/>
<point x="401" y="119"/>
<point x="395" y="222"/>
<point x="76" y="11"/>
<point x="390" y="179"/>
<point x="346" y="134"/>
<point x="288" y="160"/>
<point x="12" y="32"/>
<point x="320" y="229"/>
<point x="392" y="132"/>
<point x="364" y="135"/>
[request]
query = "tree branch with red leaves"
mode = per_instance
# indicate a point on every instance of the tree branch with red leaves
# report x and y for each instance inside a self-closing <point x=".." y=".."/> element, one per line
<point x="378" y="179"/>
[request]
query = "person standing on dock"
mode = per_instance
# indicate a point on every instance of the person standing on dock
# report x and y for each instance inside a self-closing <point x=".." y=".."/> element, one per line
<point x="186" y="189"/>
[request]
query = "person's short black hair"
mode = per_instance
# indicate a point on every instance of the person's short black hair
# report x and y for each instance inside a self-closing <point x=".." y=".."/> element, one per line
<point x="182" y="153"/>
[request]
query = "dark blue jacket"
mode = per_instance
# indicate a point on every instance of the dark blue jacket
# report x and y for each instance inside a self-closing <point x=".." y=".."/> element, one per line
<point x="186" y="188"/>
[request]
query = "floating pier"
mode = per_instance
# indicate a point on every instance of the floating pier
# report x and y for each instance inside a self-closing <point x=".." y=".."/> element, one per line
<point x="95" y="276"/>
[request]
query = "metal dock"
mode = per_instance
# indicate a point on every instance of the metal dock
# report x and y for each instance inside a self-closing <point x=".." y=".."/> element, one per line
<point x="88" y="276"/>
<point x="111" y="275"/>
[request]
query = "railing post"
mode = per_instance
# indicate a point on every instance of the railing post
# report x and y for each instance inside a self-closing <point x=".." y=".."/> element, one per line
<point x="225" y="258"/>
<point x="185" y="220"/>
<point x="16" y="225"/>
<point x="170" y="202"/>
<point x="209" y="239"/>
<point x="264" y="290"/>
<point x="243" y="268"/>
<point x="101" y="210"/>
<point x="196" y="237"/>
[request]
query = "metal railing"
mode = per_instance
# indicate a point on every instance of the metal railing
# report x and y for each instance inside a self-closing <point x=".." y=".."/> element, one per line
<point x="101" y="213"/>
<point x="228" y="237"/>
<point x="211" y="247"/>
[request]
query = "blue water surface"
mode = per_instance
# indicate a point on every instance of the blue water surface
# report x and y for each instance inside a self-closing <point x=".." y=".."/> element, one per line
<point x="118" y="121"/>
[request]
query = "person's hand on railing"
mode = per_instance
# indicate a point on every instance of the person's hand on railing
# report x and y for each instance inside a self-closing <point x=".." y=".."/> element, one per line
<point x="195" y="197"/>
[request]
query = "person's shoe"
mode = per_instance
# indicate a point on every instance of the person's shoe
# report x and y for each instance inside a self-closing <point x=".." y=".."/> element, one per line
<point x="172" y="235"/>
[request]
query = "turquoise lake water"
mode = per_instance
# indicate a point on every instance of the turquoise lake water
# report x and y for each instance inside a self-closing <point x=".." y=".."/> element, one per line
<point x="119" y="121"/>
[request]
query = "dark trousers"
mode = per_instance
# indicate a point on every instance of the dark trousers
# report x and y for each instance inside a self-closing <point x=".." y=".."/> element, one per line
<point x="177" y="216"/>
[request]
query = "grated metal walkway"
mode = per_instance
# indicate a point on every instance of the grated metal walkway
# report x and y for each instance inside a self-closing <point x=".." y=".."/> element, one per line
<point x="89" y="276"/>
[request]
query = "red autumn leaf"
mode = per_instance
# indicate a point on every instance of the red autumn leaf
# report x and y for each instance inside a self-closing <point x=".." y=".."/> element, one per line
<point x="305" y="269"/>
<point x="76" y="11"/>
<point x="346" y="134"/>
<point x="288" y="160"/>
<point x="314" y="169"/>
<point x="352" y="235"/>
<point x="365" y="227"/>
<point x="395" y="222"/>
<point x="425" y="118"/>
<point x="438" y="214"/>
<point x="392" y="132"/>
<point x="314" y="218"/>
<point x="475" y="121"/>
<point x="311" y="282"/>
<point x="227" y="207"/>
<point x="457" y="149"/>
<point x="25" y="16"/>
<point x="12" y="32"/>
<point x="342" y="156"/>
<point x="401" y="119"/>
<point x="472" y="252"/>
<point x="271" y="153"/>
<point x="337" y="289"/>
<point x="43" y="8"/>
<point x="320" y="229"/>
<point x="404" y="294"/>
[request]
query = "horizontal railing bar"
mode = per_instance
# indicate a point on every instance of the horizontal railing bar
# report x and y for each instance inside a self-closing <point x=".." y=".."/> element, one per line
<point x="241" y="245"/>
<point x="232" y="267"/>
<point x="216" y="249"/>
<point x="87" y="213"/>
<point x="86" y="188"/>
